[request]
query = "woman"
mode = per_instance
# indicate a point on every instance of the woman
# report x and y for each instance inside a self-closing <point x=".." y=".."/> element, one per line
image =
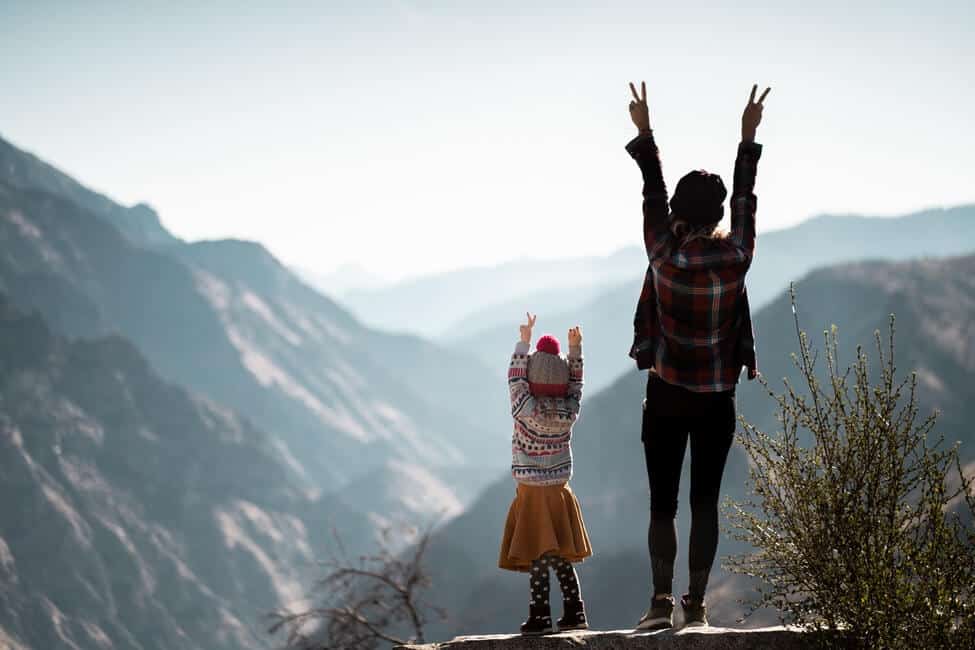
<point x="693" y="331"/>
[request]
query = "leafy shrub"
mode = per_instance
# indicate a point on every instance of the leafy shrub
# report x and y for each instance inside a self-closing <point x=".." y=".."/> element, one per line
<point x="855" y="517"/>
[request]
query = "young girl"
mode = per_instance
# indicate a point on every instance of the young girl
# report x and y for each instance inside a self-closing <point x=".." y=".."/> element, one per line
<point x="544" y="529"/>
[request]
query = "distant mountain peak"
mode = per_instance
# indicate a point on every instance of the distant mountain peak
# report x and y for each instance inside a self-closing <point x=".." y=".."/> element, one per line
<point x="139" y="223"/>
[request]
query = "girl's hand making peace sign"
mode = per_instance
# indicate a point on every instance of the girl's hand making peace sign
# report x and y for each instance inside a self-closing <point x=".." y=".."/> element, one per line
<point x="575" y="336"/>
<point x="526" y="330"/>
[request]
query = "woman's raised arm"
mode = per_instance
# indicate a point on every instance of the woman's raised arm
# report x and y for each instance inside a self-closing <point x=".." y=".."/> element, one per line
<point x="643" y="149"/>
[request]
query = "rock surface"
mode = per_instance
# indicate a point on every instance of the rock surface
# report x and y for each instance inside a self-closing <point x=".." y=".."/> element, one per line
<point x="705" y="638"/>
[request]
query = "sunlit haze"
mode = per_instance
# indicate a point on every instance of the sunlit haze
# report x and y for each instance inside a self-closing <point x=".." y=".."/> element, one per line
<point x="411" y="137"/>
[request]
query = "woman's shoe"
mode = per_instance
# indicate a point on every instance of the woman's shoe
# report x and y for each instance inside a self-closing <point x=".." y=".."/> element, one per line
<point x="573" y="616"/>
<point x="660" y="616"/>
<point x="539" y="621"/>
<point x="695" y="611"/>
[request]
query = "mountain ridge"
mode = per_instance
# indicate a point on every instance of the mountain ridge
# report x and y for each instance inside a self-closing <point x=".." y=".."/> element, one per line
<point x="140" y="222"/>
<point x="227" y="319"/>
<point x="137" y="503"/>
<point x="607" y="317"/>
<point x="477" y="291"/>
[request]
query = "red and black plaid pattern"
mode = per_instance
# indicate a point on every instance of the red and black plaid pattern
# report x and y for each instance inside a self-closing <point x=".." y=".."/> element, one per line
<point x="693" y="323"/>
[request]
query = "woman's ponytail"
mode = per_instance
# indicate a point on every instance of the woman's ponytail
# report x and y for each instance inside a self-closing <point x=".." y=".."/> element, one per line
<point x="680" y="229"/>
<point x="683" y="232"/>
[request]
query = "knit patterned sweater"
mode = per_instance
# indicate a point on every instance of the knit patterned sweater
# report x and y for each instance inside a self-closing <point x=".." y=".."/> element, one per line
<point x="541" y="452"/>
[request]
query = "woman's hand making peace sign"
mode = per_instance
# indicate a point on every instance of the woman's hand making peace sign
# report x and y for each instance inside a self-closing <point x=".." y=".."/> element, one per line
<point x="639" y="112"/>
<point x="751" y="117"/>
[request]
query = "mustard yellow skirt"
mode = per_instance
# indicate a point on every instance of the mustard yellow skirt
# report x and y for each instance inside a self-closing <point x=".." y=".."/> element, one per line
<point x="543" y="519"/>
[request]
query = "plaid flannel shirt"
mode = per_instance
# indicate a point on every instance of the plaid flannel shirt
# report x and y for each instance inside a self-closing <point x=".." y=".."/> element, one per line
<point x="693" y="323"/>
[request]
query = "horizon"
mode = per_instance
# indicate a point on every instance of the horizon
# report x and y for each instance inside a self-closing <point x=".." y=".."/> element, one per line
<point x="266" y="123"/>
<point x="384" y="281"/>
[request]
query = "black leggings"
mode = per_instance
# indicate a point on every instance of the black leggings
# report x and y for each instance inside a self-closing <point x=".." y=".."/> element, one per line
<point x="672" y="415"/>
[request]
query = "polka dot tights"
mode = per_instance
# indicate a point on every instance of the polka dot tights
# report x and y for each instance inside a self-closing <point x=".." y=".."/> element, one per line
<point x="565" y="573"/>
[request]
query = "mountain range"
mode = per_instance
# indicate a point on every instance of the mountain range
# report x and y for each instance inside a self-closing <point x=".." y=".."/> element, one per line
<point x="226" y="319"/>
<point x="135" y="513"/>
<point x="184" y="425"/>
<point x="454" y="303"/>
<point x="461" y="305"/>
<point x="781" y="257"/>
<point x="346" y="428"/>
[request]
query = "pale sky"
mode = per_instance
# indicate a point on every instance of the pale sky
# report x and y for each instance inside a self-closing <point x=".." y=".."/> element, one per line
<point x="412" y="137"/>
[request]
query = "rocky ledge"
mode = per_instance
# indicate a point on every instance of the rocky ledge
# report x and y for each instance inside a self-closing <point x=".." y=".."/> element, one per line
<point x="698" y="638"/>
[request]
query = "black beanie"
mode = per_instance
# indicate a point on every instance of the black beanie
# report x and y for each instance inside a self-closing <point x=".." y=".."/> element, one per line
<point x="699" y="198"/>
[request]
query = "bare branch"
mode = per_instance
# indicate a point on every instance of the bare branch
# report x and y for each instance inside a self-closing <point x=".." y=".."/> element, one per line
<point x="364" y="602"/>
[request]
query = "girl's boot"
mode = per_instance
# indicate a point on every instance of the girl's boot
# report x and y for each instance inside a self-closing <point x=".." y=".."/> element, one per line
<point x="573" y="616"/>
<point x="573" y="609"/>
<point x="539" y="621"/>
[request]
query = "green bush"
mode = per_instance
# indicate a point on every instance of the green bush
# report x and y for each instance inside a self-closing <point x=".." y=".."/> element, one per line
<point x="855" y="516"/>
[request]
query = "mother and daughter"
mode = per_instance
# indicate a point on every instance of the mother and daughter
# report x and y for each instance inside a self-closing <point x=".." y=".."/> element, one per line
<point x="693" y="332"/>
